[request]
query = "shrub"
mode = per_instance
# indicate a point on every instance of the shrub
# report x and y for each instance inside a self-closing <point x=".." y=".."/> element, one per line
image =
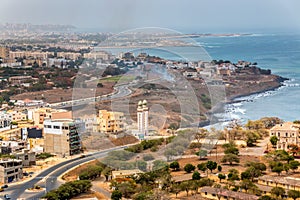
<point x="189" y="168"/>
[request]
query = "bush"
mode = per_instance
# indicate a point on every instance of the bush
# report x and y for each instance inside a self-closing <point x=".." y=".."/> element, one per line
<point x="175" y="166"/>
<point x="116" y="195"/>
<point x="69" y="190"/>
<point x="189" y="168"/>
<point x="43" y="156"/>
<point x="196" y="176"/>
<point x="148" y="157"/>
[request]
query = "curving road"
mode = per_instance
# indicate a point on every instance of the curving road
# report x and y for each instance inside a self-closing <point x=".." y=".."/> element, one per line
<point x="49" y="178"/>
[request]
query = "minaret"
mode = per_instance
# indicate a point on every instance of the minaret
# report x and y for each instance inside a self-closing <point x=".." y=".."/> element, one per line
<point x="142" y="117"/>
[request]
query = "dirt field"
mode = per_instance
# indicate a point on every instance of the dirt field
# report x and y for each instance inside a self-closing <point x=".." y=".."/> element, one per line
<point x="59" y="94"/>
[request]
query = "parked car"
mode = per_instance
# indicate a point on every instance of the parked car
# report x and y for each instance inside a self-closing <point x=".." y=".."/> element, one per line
<point x="1" y="189"/>
<point x="4" y="186"/>
<point x="6" y="196"/>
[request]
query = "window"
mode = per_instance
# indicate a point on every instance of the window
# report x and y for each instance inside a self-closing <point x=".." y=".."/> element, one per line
<point x="26" y="157"/>
<point x="56" y="127"/>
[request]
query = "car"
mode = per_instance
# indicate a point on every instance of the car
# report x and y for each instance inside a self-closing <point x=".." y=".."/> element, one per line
<point x="4" y="186"/>
<point x="6" y="196"/>
<point x="1" y="189"/>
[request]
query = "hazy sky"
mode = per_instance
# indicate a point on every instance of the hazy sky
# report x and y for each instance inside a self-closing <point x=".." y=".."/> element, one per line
<point x="182" y="15"/>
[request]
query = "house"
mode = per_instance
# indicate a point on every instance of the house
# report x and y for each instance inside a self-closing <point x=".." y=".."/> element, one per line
<point x="28" y="158"/>
<point x="223" y="194"/>
<point x="125" y="173"/>
<point x="287" y="133"/>
<point x="288" y="183"/>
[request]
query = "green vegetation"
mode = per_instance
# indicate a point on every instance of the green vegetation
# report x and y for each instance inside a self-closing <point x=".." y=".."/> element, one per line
<point x="175" y="166"/>
<point x="69" y="190"/>
<point x="91" y="173"/>
<point x="144" y="145"/>
<point x="43" y="156"/>
<point x="189" y="168"/>
<point x="274" y="140"/>
<point x="116" y="195"/>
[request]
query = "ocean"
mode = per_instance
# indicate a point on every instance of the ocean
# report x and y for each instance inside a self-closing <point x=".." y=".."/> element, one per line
<point x="278" y="52"/>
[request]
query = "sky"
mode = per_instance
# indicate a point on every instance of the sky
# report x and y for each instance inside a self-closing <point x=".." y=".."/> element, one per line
<point x="182" y="15"/>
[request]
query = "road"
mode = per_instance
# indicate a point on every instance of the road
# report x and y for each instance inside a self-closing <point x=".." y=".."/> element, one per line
<point x="49" y="178"/>
<point x="120" y="91"/>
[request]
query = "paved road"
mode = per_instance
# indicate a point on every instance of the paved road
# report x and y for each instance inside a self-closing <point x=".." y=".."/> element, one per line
<point x="120" y="91"/>
<point x="49" y="177"/>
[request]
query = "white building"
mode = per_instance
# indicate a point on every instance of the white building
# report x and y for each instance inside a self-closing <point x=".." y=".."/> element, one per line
<point x="142" y="118"/>
<point x="5" y="121"/>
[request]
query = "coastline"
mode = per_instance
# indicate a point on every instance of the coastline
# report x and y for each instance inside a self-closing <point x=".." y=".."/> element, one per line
<point x="280" y="82"/>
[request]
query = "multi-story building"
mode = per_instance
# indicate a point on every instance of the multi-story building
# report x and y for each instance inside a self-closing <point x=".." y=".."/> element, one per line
<point x="110" y="122"/>
<point x="5" y="121"/>
<point x="287" y="133"/>
<point x="97" y="55"/>
<point x="28" y="158"/>
<point x="142" y="118"/>
<point x="62" y="137"/>
<point x="4" y="52"/>
<point x="40" y="115"/>
<point x="10" y="170"/>
<point x="18" y="80"/>
<point x="17" y="116"/>
<point x="33" y="54"/>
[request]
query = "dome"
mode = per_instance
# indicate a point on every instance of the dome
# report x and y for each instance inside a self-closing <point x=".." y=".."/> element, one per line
<point x="145" y="102"/>
<point x="140" y="103"/>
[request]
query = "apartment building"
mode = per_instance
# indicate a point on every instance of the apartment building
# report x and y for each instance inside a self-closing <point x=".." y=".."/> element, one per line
<point x="4" y="52"/>
<point x="5" y="121"/>
<point x="62" y="136"/>
<point x="10" y="170"/>
<point x="287" y="133"/>
<point x="17" y="116"/>
<point x="110" y="122"/>
<point x="40" y="115"/>
<point x="18" y="80"/>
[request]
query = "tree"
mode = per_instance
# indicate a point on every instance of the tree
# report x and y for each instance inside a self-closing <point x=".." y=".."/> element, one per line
<point x="202" y="153"/>
<point x="230" y="148"/>
<point x="106" y="172"/>
<point x="211" y="165"/>
<point x="116" y="195"/>
<point x="246" y="184"/>
<point x="233" y="175"/>
<point x="185" y="186"/>
<point x="219" y="168"/>
<point x="221" y="177"/>
<point x="266" y="197"/>
<point x="189" y="168"/>
<point x="274" y="140"/>
<point x="251" y="173"/>
<point x="202" y="166"/>
<point x="175" y="189"/>
<point x="294" y="149"/>
<point x="175" y="166"/>
<point x="278" y="191"/>
<point x="294" y="164"/>
<point x="276" y="167"/>
<point x="196" y="176"/>
<point x="294" y="194"/>
<point x="230" y="158"/>
<point x="201" y="134"/>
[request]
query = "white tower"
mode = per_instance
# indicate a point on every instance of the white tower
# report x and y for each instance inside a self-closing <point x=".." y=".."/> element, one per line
<point x="142" y="117"/>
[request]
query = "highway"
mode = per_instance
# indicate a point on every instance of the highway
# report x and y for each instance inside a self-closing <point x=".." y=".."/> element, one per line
<point x="49" y="177"/>
<point x="120" y="91"/>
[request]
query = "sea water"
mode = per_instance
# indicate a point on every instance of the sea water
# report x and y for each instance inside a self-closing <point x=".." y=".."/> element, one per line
<point x="278" y="52"/>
